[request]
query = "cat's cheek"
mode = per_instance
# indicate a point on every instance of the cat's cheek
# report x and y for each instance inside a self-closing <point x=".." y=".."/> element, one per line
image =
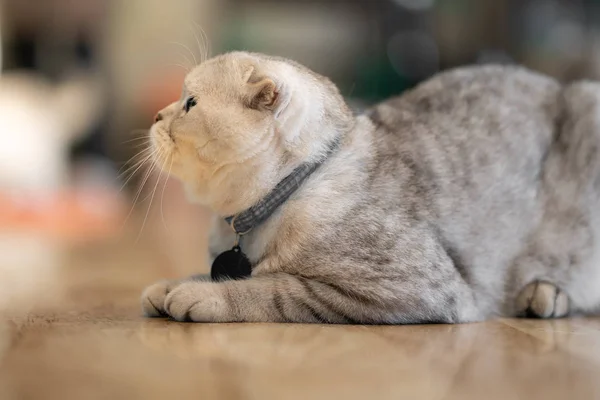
<point x="198" y="302"/>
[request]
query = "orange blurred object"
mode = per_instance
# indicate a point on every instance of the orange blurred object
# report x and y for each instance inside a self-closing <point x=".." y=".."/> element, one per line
<point x="71" y="214"/>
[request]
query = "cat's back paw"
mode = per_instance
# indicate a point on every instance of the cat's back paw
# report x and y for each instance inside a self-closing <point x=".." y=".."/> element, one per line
<point x="542" y="299"/>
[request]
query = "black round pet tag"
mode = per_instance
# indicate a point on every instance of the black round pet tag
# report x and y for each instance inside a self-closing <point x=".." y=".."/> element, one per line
<point x="231" y="264"/>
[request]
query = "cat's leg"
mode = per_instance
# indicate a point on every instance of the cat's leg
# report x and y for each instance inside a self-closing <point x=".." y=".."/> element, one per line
<point x="282" y="297"/>
<point x="221" y="238"/>
<point x="153" y="297"/>
<point x="270" y="298"/>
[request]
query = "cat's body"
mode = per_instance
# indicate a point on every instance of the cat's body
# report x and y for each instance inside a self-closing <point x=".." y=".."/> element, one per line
<point x="475" y="194"/>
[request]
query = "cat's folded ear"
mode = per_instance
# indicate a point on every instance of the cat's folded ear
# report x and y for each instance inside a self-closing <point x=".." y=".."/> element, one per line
<point x="261" y="92"/>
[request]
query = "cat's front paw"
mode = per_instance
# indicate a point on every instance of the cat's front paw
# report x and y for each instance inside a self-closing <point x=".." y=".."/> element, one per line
<point x="153" y="299"/>
<point x="197" y="301"/>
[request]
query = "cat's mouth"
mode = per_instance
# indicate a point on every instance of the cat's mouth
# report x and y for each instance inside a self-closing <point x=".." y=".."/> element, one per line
<point x="162" y="142"/>
<point x="160" y="133"/>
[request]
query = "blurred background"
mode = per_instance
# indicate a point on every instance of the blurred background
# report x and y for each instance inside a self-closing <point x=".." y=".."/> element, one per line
<point x="81" y="79"/>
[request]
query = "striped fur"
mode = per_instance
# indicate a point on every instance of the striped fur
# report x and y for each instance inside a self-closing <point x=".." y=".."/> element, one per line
<point x="450" y="203"/>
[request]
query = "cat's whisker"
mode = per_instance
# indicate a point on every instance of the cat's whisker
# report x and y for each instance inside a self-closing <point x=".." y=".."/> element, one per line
<point x="351" y="89"/>
<point x="141" y="164"/>
<point x="178" y="54"/>
<point x="137" y="166"/>
<point x="146" y="176"/>
<point x="150" y="204"/>
<point x="138" y="130"/>
<point x="146" y="197"/>
<point x="138" y="145"/>
<point x="140" y="148"/>
<point x="131" y="166"/>
<point x="200" y="48"/>
<point x="142" y="153"/>
<point x="162" y="214"/>
<point x="134" y="162"/>
<point x="136" y="139"/>
<point x="188" y="63"/>
<point x="207" y="49"/>
<point x="188" y="49"/>
<point x="184" y="62"/>
<point x="186" y="69"/>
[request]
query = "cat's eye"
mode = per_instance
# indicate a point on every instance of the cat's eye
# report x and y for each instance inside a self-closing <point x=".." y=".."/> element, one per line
<point x="189" y="103"/>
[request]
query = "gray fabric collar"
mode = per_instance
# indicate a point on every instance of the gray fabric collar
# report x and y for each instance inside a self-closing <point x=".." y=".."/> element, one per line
<point x="247" y="220"/>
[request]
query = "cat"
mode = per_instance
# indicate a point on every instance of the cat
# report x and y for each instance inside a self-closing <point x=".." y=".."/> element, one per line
<point x="474" y="195"/>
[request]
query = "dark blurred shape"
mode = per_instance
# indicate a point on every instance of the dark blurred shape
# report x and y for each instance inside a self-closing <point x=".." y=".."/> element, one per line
<point x="23" y="52"/>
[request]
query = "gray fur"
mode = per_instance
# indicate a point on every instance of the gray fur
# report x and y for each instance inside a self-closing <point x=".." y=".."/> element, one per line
<point x="441" y="205"/>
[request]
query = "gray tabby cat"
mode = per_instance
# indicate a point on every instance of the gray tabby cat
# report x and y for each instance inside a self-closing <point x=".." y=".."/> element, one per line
<point x="476" y="194"/>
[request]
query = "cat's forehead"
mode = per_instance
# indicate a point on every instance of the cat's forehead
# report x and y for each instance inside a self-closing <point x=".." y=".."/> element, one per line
<point x="209" y="76"/>
<point x="196" y="80"/>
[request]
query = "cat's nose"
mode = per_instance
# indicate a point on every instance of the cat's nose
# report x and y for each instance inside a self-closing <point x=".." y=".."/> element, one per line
<point x="158" y="117"/>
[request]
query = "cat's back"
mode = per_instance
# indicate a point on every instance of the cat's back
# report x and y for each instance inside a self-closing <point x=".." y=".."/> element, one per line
<point x="469" y="144"/>
<point x="469" y="123"/>
<point x="489" y="93"/>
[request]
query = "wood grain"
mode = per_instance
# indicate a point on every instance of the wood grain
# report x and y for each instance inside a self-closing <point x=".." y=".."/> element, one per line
<point x="80" y="335"/>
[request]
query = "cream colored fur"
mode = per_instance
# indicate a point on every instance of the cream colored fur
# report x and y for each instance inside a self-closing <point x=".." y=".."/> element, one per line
<point x="227" y="155"/>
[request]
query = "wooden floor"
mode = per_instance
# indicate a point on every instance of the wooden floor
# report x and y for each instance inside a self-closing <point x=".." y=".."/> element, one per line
<point x="70" y="328"/>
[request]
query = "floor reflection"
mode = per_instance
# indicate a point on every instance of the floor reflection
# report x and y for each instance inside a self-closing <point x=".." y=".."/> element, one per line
<point x="70" y="327"/>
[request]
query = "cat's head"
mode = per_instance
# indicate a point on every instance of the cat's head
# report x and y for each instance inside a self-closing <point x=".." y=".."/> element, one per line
<point x="243" y="122"/>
